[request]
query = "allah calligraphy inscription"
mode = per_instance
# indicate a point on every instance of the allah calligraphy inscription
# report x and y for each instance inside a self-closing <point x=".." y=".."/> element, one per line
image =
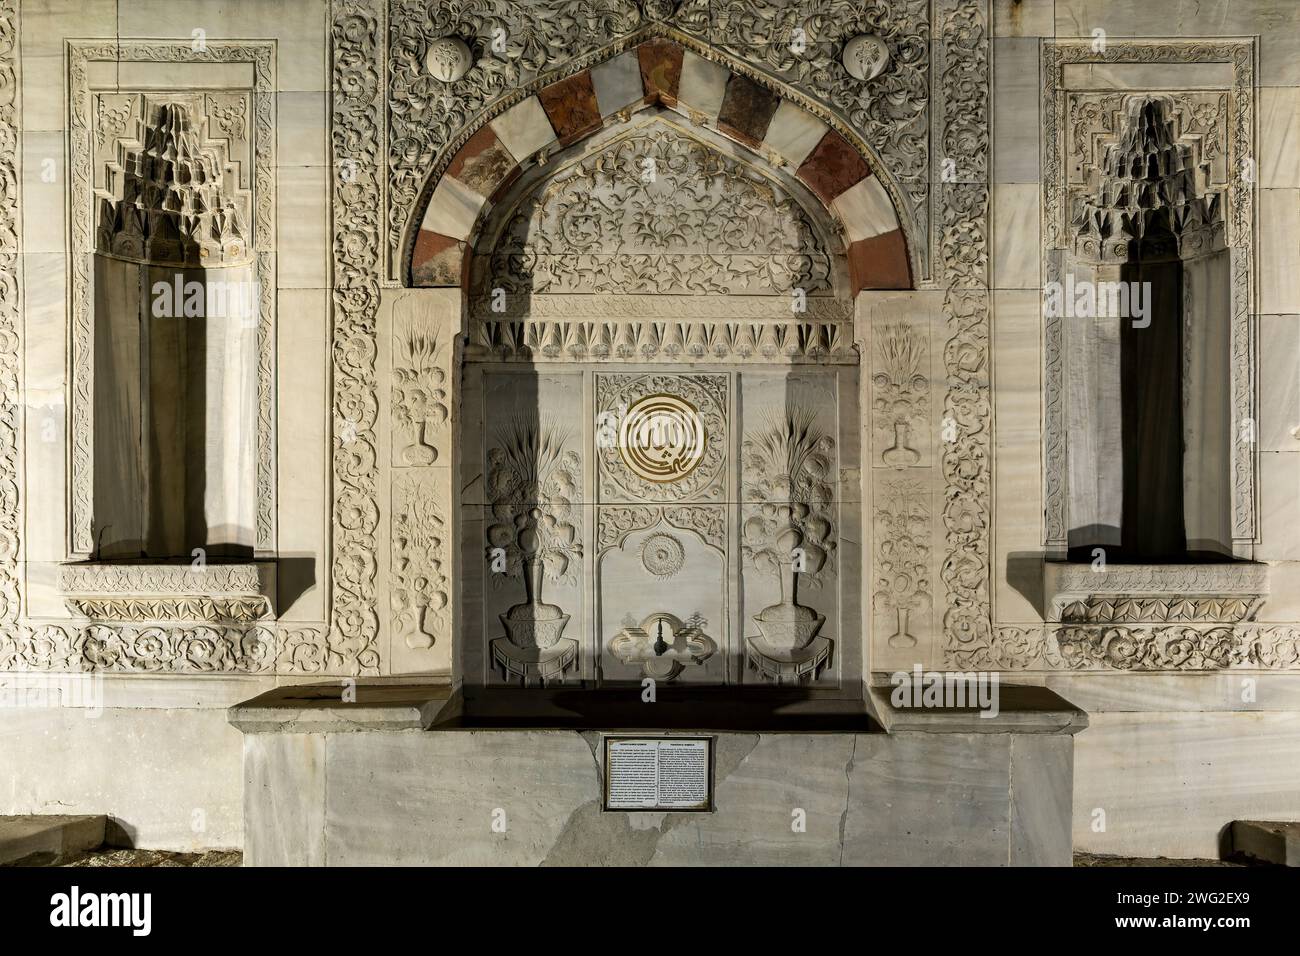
<point x="662" y="438"/>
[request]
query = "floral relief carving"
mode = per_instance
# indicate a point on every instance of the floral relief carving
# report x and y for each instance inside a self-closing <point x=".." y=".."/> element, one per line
<point x="788" y="474"/>
<point x="229" y="115"/>
<point x="114" y="113"/>
<point x="356" y="111"/>
<point x="903" y="530"/>
<point x="420" y="589"/>
<point x="900" y="400"/>
<point x="165" y="649"/>
<point x="963" y="247"/>
<point x="658" y="211"/>
<point x="534" y="484"/>
<point x="11" y="514"/>
<point x="420" y="380"/>
<point x="615" y="522"/>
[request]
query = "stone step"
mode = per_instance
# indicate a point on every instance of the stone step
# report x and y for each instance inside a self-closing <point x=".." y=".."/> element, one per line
<point x="46" y="839"/>
<point x="1270" y="841"/>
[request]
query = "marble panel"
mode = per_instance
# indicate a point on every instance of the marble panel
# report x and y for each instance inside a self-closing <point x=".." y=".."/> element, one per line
<point x="571" y="107"/>
<point x="703" y="84"/>
<point x="832" y="167"/>
<point x="747" y="110"/>
<point x="1016" y="128"/>
<point x="1279" y="138"/>
<point x="661" y="69"/>
<point x="118" y="762"/>
<point x="1278" y="251"/>
<point x="793" y="133"/>
<point x="617" y="82"/>
<point x="880" y="262"/>
<point x="284" y="797"/>
<point x="866" y="210"/>
<point x="524" y="129"/>
<point x="1017" y="248"/>
<point x="948" y="800"/>
<point x="1167" y="784"/>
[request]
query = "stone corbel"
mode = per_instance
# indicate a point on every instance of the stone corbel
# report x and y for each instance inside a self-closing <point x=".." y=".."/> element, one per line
<point x="1227" y="593"/>
<point x="120" y="591"/>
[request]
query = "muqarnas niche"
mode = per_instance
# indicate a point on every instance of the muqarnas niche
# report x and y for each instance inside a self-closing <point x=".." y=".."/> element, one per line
<point x="177" y="309"/>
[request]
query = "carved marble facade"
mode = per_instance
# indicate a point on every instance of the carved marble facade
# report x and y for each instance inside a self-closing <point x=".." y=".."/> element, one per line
<point x="617" y="201"/>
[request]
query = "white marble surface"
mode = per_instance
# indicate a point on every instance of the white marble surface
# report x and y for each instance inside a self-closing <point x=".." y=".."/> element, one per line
<point x="414" y="797"/>
<point x="1016" y="95"/>
<point x="703" y="84"/>
<point x="170" y="779"/>
<point x="1279" y="383"/>
<point x="793" y="133"/>
<point x="1278" y="252"/>
<point x="1279" y="138"/>
<point x="453" y="209"/>
<point x="865" y="209"/>
<point x="1170" y="783"/>
<point x="617" y="82"/>
<point x="1017" y="249"/>
<point x="524" y="128"/>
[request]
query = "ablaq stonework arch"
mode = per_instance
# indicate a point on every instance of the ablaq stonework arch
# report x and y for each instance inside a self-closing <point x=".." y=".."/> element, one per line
<point x="901" y="212"/>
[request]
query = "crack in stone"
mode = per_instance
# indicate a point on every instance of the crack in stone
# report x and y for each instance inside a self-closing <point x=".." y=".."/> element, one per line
<point x="592" y="836"/>
<point x="848" y="794"/>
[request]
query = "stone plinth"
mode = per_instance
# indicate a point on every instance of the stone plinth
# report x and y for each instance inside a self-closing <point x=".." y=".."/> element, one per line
<point x="330" y="792"/>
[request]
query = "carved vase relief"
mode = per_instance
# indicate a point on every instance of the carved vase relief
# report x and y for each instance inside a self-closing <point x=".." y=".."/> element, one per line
<point x="419" y="389"/>
<point x="534" y="536"/>
<point x="713" y="560"/>
<point x="788" y="481"/>
<point x="419" y="591"/>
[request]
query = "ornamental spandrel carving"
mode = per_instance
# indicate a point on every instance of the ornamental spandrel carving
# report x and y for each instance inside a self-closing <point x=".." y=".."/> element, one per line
<point x="516" y="48"/>
<point x="616" y="522"/>
<point x="657" y="211"/>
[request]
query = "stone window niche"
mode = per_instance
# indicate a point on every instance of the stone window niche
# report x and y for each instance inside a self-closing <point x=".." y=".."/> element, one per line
<point x="1144" y="300"/>
<point x="175" y="352"/>
<point x="1140" y="310"/>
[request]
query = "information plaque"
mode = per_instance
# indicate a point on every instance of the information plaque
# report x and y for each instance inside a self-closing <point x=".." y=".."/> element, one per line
<point x="659" y="773"/>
